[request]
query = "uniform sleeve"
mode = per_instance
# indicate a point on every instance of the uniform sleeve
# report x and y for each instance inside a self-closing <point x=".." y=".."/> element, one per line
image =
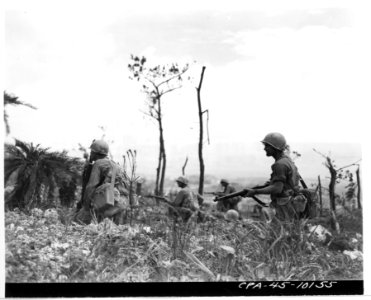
<point x="279" y="173"/>
<point x="92" y="184"/>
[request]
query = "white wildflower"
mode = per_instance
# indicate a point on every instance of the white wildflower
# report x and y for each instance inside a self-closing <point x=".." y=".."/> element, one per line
<point x="147" y="229"/>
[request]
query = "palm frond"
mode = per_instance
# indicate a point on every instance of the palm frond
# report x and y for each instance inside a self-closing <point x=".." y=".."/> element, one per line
<point x="11" y="167"/>
<point x="38" y="167"/>
<point x="13" y="100"/>
<point x="13" y="152"/>
<point x="26" y="148"/>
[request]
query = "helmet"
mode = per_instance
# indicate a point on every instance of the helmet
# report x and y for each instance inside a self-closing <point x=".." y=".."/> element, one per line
<point x="182" y="180"/>
<point x="224" y="181"/>
<point x="99" y="146"/>
<point x="276" y="140"/>
<point x="232" y="215"/>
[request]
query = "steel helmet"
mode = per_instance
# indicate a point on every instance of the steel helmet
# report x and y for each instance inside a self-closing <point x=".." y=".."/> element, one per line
<point x="232" y="215"/>
<point x="276" y="140"/>
<point x="99" y="146"/>
<point x="224" y="181"/>
<point x="182" y="179"/>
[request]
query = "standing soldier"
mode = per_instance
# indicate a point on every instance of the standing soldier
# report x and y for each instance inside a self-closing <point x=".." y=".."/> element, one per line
<point x="284" y="181"/>
<point x="227" y="204"/>
<point x="184" y="199"/>
<point x="102" y="170"/>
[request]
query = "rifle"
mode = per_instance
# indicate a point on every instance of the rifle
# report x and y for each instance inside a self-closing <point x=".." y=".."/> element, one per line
<point x="242" y="193"/>
<point x="302" y="182"/>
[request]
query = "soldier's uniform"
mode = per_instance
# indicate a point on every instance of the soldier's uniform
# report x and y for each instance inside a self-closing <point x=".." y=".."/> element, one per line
<point x="285" y="171"/>
<point x="184" y="199"/>
<point x="95" y="175"/>
<point x="287" y="199"/>
<point x="102" y="173"/>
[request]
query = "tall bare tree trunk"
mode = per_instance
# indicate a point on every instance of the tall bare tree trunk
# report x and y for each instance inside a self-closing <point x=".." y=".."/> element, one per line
<point x="320" y="195"/>
<point x="158" y="172"/>
<point x="358" y="189"/>
<point x="332" y="184"/>
<point x="200" y="142"/>
<point x="160" y="156"/>
<point x="163" y="170"/>
<point x="162" y="151"/>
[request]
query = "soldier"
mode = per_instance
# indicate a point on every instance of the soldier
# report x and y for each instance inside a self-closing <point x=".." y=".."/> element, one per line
<point x="284" y="181"/>
<point x="228" y="204"/>
<point x="101" y="173"/>
<point x="184" y="199"/>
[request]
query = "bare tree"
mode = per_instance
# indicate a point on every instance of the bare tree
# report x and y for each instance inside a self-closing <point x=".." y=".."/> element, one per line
<point x="335" y="174"/>
<point x="320" y="195"/>
<point x="156" y="82"/>
<point x="359" y="189"/>
<point x="201" y="136"/>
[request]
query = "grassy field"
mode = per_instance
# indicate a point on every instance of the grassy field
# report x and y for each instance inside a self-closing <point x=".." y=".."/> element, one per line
<point x="45" y="246"/>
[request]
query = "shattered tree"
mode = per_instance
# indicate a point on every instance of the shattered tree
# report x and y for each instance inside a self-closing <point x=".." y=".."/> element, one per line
<point x="201" y="137"/>
<point x="156" y="82"/>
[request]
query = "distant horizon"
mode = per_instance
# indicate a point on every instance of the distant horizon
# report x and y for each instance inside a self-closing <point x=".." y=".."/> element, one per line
<point x="240" y="180"/>
<point x="235" y="160"/>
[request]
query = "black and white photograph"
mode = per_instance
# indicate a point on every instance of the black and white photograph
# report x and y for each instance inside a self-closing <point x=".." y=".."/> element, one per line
<point x="185" y="148"/>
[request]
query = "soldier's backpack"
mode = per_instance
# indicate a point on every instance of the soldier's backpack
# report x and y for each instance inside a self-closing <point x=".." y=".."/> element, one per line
<point x="103" y="196"/>
<point x="311" y="208"/>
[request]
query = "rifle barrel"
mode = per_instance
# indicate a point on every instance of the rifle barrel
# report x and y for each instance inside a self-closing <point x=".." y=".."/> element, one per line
<point x="240" y="193"/>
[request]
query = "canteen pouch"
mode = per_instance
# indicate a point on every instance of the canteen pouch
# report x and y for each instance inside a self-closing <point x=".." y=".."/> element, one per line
<point x="103" y="197"/>
<point x="299" y="201"/>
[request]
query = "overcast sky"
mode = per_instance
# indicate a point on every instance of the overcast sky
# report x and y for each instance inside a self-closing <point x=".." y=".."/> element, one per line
<point x="301" y="68"/>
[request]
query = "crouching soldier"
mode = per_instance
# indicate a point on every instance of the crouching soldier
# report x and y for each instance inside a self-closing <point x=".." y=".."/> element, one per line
<point x="184" y="200"/>
<point x="106" y="193"/>
<point x="225" y="205"/>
